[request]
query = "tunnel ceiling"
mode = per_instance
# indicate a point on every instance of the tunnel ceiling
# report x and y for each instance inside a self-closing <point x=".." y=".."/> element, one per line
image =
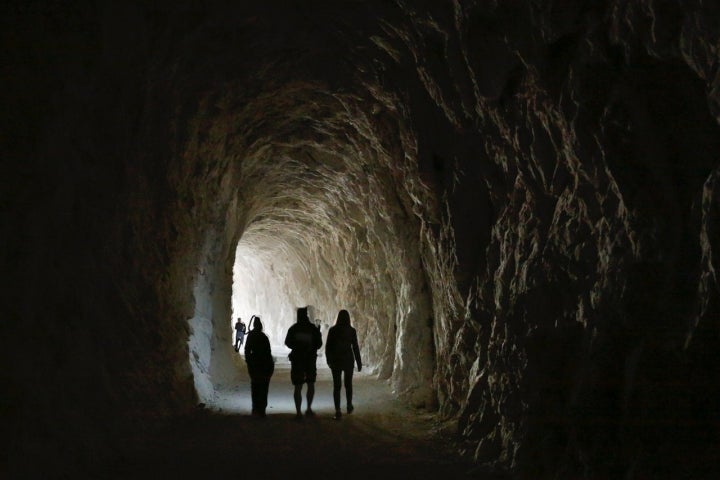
<point x="517" y="201"/>
<point x="313" y="173"/>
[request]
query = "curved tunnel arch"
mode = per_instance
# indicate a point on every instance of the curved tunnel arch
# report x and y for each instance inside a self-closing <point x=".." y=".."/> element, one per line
<point x="313" y="187"/>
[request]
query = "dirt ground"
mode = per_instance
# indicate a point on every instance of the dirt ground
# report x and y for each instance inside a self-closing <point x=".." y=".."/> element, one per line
<point x="381" y="439"/>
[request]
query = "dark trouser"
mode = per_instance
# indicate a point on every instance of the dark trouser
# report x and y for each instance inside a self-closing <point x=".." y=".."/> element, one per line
<point x="337" y="381"/>
<point x="259" y="394"/>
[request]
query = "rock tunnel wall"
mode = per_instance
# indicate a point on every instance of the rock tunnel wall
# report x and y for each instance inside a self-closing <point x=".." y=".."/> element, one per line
<point x="522" y="196"/>
<point x="582" y="315"/>
<point x="323" y="215"/>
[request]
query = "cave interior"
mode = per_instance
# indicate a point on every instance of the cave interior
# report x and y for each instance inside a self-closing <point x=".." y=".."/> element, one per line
<point x="518" y="203"/>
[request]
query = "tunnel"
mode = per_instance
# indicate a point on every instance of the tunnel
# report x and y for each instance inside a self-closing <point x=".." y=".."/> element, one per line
<point x="518" y="202"/>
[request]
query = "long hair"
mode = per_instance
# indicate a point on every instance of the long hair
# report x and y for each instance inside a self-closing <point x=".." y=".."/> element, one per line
<point x="255" y="323"/>
<point x="343" y="318"/>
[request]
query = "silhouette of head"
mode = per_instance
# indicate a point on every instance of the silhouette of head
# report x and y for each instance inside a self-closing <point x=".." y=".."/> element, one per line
<point x="257" y="324"/>
<point x="343" y="318"/>
<point x="302" y="315"/>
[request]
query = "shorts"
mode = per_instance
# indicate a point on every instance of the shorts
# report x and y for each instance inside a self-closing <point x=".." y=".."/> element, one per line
<point x="303" y="370"/>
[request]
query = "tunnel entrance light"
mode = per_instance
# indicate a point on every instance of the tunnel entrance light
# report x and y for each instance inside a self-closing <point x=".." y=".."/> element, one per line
<point x="261" y="287"/>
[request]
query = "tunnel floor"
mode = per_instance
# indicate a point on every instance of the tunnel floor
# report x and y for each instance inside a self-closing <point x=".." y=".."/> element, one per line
<point x="381" y="439"/>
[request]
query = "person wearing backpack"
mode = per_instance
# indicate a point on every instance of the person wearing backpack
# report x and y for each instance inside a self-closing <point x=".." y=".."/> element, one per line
<point x="304" y="340"/>
<point x="342" y="353"/>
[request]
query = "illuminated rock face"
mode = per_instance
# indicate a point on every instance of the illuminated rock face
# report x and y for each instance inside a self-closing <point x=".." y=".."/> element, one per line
<point x="518" y="205"/>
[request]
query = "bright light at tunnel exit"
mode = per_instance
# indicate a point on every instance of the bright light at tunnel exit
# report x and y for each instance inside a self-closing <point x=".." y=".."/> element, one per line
<point x="263" y="287"/>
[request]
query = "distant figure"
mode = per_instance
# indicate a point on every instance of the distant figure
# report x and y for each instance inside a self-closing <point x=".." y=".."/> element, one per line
<point x="260" y="365"/>
<point x="239" y="334"/>
<point x="342" y="351"/>
<point x="304" y="339"/>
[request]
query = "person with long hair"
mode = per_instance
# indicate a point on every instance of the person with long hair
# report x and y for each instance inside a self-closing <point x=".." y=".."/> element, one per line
<point x="342" y="353"/>
<point x="260" y="365"/>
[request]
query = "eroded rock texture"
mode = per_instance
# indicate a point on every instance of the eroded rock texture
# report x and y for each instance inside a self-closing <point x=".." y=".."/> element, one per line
<point x="517" y="201"/>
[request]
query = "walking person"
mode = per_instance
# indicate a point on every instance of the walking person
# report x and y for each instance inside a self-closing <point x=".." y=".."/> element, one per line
<point x="304" y="340"/>
<point x="240" y="330"/>
<point x="260" y="365"/>
<point x="342" y="353"/>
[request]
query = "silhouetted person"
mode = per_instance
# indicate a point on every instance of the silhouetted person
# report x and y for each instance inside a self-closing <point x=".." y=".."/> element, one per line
<point x="342" y="353"/>
<point x="239" y="334"/>
<point x="304" y="339"/>
<point x="260" y="365"/>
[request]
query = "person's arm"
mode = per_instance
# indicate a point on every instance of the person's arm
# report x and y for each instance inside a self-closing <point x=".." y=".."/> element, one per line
<point x="327" y="342"/>
<point x="268" y="351"/>
<point x="248" y="347"/>
<point x="288" y="340"/>
<point x="356" y="350"/>
<point x="329" y="345"/>
<point x="318" y="339"/>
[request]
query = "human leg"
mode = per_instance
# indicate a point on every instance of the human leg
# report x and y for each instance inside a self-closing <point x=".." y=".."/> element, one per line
<point x="297" y="396"/>
<point x="337" y="383"/>
<point x="264" y="386"/>
<point x="349" y="389"/>
<point x="297" y="378"/>
<point x="310" y="377"/>
<point x="310" y="396"/>
<point x="254" y="395"/>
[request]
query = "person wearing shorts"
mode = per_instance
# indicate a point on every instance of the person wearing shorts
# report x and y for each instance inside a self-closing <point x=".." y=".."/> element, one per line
<point x="304" y="340"/>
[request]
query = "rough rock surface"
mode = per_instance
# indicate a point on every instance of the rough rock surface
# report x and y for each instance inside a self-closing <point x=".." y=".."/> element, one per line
<point x="517" y="201"/>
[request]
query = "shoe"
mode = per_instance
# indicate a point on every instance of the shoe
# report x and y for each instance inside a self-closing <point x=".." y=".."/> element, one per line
<point x="350" y="409"/>
<point x="298" y="416"/>
<point x="338" y="415"/>
<point x="309" y="413"/>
